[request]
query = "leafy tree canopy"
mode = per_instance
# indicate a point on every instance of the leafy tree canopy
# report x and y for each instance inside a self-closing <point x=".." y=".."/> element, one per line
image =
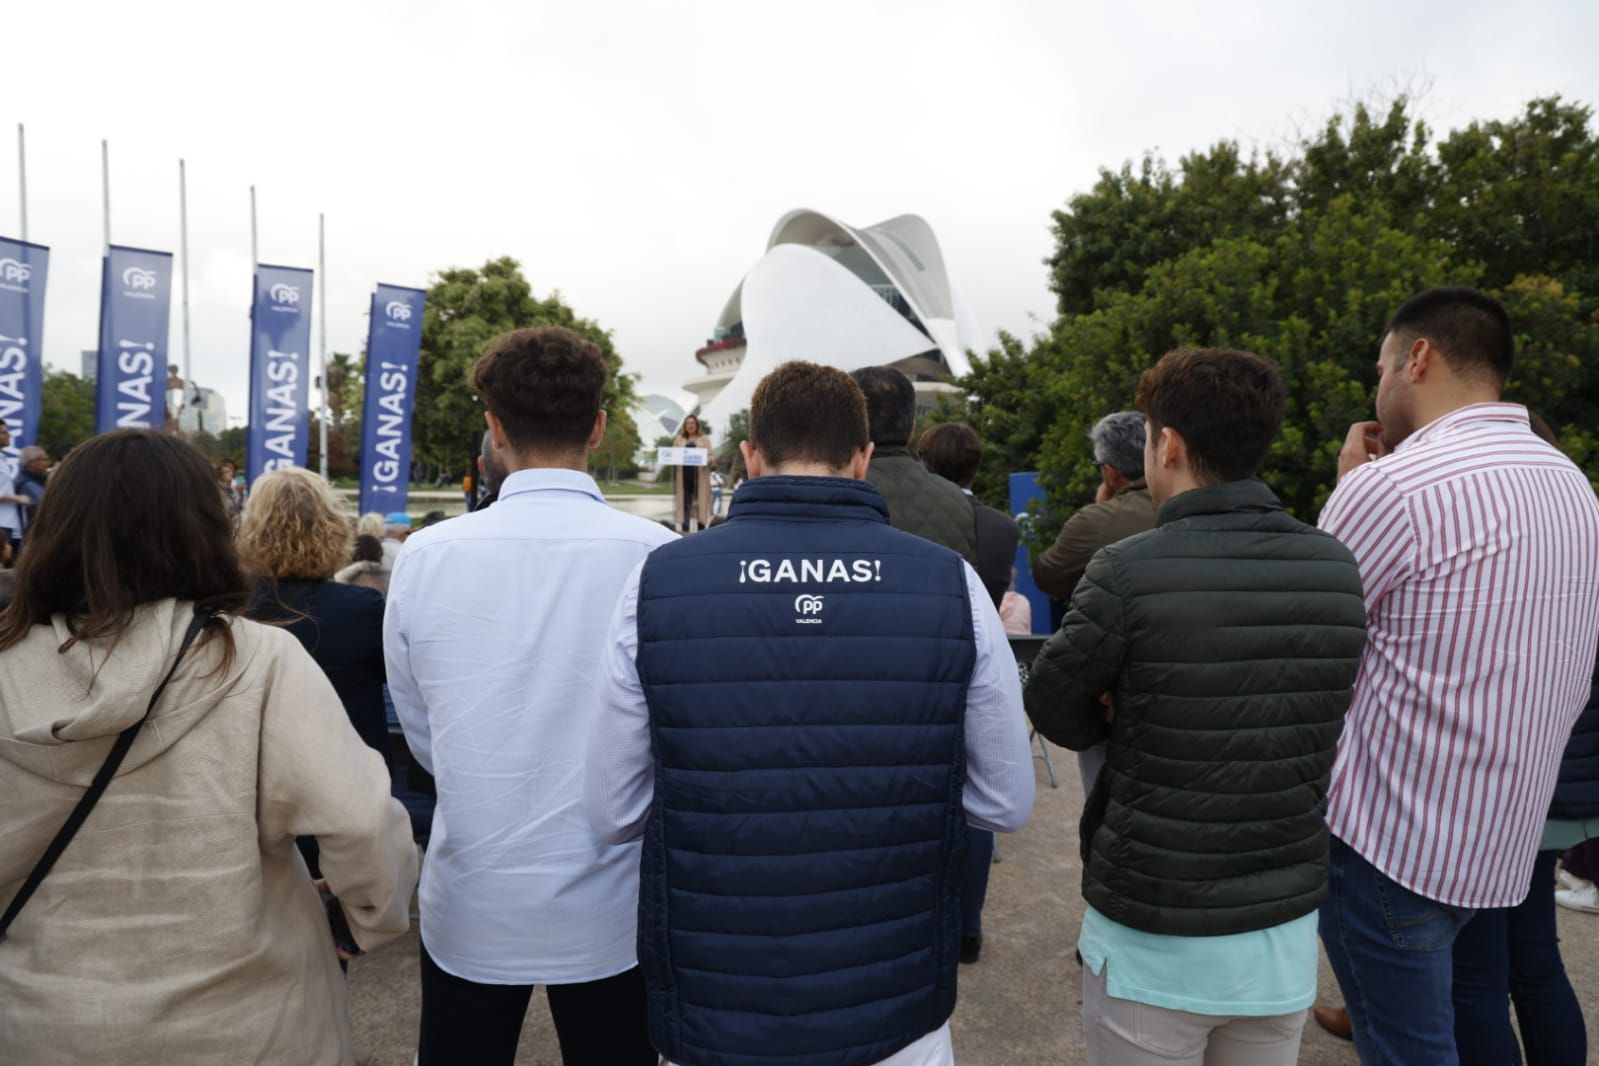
<point x="1301" y="256"/>
<point x="465" y="310"/>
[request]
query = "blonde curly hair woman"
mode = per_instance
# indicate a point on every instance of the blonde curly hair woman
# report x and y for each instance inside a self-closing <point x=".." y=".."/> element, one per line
<point x="293" y="538"/>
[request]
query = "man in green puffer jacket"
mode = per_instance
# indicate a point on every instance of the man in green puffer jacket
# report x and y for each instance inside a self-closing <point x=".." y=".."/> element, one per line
<point x="919" y="501"/>
<point x="1217" y="654"/>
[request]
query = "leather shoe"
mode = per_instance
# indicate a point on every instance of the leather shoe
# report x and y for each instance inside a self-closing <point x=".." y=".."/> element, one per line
<point x="1336" y="1021"/>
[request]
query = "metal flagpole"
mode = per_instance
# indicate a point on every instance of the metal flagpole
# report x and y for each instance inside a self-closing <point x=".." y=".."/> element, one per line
<point x="255" y="260"/>
<point x="183" y="239"/>
<point x="322" y="341"/>
<point x="105" y="191"/>
<point x="22" y="176"/>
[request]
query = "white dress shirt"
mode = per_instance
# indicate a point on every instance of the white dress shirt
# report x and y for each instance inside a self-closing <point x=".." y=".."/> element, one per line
<point x="495" y="637"/>
<point x="999" y="790"/>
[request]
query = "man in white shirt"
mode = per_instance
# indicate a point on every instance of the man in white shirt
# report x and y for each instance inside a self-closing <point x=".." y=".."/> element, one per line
<point x="494" y="637"/>
<point x="804" y="708"/>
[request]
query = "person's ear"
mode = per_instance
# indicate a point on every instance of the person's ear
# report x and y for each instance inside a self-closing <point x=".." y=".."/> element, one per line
<point x="597" y="435"/>
<point x="860" y="461"/>
<point x="752" y="459"/>
<point x="497" y="432"/>
<point x="1172" y="451"/>
<point x="1420" y="361"/>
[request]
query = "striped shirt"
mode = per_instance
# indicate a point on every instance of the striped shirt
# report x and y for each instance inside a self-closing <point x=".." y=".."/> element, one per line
<point x="1479" y="548"/>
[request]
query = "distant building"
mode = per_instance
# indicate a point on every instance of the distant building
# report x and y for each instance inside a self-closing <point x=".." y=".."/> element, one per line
<point x="91" y="365"/>
<point x="205" y="412"/>
<point x="830" y="293"/>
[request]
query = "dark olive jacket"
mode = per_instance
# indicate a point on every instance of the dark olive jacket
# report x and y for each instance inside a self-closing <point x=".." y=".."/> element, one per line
<point x="1228" y="638"/>
<point x="922" y="503"/>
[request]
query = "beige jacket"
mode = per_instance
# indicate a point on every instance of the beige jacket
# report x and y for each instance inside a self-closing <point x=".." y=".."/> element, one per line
<point x="1131" y="511"/>
<point x="180" y="925"/>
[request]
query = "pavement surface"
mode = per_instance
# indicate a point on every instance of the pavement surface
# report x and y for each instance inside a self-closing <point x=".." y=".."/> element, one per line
<point x="1020" y="1005"/>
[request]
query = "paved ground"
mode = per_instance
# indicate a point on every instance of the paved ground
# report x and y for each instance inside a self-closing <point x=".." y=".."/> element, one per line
<point x="1019" y="1006"/>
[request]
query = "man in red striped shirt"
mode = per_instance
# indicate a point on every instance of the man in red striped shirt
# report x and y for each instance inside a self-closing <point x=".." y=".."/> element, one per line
<point x="1478" y="546"/>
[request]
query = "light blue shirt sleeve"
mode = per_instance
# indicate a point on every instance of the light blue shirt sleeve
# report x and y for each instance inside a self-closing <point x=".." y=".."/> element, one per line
<point x="1000" y="787"/>
<point x="619" y="770"/>
<point x="619" y="782"/>
<point x="403" y="689"/>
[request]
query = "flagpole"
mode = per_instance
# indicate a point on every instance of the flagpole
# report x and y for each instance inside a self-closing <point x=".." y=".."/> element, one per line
<point x="183" y="239"/>
<point x="105" y="191"/>
<point x="322" y="342"/>
<point x="22" y="176"/>
<point x="255" y="259"/>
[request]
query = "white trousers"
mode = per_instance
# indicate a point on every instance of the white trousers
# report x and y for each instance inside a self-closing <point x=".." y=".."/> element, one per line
<point x="1121" y="1032"/>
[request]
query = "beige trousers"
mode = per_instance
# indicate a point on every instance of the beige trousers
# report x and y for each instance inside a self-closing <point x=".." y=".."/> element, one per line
<point x="1123" y="1033"/>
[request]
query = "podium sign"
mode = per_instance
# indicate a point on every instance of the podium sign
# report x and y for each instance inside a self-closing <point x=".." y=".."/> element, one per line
<point x="683" y="457"/>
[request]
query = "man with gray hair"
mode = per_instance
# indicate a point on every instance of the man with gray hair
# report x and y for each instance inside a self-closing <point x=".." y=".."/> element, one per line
<point x="1121" y="508"/>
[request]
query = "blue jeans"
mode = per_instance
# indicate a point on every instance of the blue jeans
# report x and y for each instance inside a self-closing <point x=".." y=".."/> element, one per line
<point x="1515" y="952"/>
<point x="1393" y="953"/>
<point x="974" y="888"/>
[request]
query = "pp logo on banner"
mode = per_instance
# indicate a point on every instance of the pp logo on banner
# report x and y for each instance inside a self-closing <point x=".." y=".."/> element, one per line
<point x="397" y="311"/>
<point x="139" y="282"/>
<point x="285" y="296"/>
<point x="14" y="274"/>
<point x="807" y="606"/>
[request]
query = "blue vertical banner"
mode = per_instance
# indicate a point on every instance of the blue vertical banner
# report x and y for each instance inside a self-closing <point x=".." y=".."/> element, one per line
<point x="280" y="370"/>
<point x="393" y="345"/>
<point x="1027" y="496"/>
<point x="23" y="268"/>
<point x="135" y="311"/>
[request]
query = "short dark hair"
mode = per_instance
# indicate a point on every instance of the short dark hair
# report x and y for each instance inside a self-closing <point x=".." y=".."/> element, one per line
<point x="953" y="451"/>
<point x="1470" y="329"/>
<point x="802" y="412"/>
<point x="1226" y="405"/>
<point x="368" y="549"/>
<point x="890" y="404"/>
<point x="545" y="384"/>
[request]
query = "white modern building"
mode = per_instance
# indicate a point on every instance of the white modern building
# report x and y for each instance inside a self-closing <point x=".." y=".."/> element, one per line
<point x="205" y="412"/>
<point x="829" y="293"/>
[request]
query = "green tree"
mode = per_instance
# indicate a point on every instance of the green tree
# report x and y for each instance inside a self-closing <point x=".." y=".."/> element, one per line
<point x="617" y="454"/>
<point x="465" y="310"/>
<point x="231" y="443"/>
<point x="1301" y="257"/>
<point x="66" y="411"/>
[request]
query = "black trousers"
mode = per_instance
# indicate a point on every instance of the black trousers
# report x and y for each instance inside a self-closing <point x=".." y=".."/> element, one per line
<point x="599" y="1023"/>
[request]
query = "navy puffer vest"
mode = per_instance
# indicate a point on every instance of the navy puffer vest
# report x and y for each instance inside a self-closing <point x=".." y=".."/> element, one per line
<point x="1577" y="790"/>
<point x="806" y="669"/>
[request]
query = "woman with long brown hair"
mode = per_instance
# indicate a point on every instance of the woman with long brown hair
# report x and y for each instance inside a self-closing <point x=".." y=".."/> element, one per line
<point x="180" y="924"/>
<point x="691" y="494"/>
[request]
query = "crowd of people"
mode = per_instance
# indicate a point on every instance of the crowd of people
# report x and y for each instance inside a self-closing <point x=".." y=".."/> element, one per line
<point x="728" y="788"/>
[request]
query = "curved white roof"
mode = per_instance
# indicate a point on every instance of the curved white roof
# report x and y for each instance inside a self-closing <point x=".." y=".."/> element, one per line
<point x="780" y="298"/>
<point x="901" y="253"/>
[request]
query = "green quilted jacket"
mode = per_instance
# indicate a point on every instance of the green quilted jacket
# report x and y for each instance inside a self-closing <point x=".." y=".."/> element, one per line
<point x="1228" y="638"/>
<point x="923" y="503"/>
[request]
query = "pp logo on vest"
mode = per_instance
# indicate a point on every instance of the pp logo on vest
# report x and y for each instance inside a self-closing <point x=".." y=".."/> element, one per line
<point x="808" y="607"/>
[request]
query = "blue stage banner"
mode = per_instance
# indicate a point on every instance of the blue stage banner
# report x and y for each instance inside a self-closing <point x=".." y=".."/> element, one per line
<point x="280" y="370"/>
<point x="135" y="311"/>
<point x="393" y="344"/>
<point x="23" y="268"/>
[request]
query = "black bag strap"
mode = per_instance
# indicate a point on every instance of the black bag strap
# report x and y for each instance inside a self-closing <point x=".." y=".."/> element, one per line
<point x="97" y="787"/>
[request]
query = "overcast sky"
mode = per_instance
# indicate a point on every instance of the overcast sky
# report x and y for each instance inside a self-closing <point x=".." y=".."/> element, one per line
<point x="635" y="155"/>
